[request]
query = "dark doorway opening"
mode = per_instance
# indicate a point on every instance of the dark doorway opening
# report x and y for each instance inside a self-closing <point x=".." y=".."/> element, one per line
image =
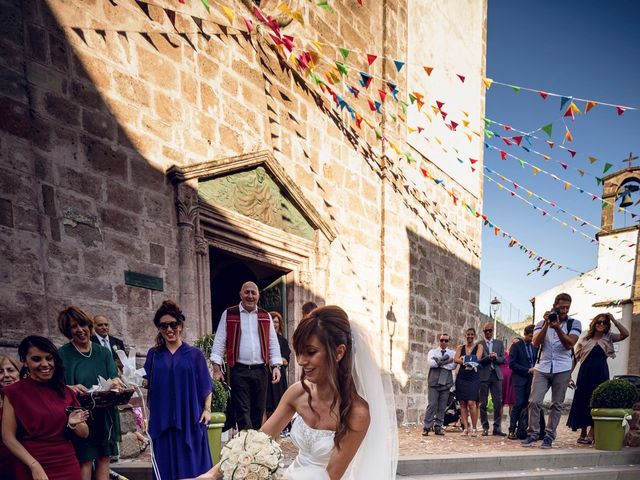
<point x="228" y="272"/>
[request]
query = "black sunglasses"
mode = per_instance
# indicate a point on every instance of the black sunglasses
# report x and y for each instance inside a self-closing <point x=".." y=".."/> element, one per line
<point x="602" y="322"/>
<point x="446" y="340"/>
<point x="167" y="325"/>
<point x="488" y="330"/>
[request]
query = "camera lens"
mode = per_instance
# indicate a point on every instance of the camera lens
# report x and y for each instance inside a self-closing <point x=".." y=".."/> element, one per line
<point x="553" y="317"/>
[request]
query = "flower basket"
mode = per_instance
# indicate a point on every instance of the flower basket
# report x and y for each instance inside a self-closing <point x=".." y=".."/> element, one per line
<point x="104" y="399"/>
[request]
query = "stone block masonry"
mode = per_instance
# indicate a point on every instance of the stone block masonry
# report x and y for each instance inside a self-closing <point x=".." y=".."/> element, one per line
<point x="99" y="100"/>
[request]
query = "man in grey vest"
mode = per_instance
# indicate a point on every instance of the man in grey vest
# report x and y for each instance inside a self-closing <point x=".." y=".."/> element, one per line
<point x="440" y="381"/>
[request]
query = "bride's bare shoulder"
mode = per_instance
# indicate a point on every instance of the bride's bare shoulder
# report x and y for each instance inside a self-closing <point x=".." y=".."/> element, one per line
<point x="359" y="417"/>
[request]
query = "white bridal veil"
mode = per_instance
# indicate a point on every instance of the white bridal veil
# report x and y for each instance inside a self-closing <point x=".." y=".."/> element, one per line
<point x="377" y="457"/>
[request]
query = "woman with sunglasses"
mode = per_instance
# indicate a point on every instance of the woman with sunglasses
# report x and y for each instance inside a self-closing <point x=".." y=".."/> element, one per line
<point x="468" y="381"/>
<point x="179" y="400"/>
<point x="592" y="352"/>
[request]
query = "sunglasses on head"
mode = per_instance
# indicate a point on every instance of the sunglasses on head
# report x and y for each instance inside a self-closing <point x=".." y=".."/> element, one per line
<point x="167" y="325"/>
<point x="446" y="340"/>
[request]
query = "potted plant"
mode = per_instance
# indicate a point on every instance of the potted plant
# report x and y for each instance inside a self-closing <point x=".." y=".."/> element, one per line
<point x="611" y="404"/>
<point x="219" y="400"/>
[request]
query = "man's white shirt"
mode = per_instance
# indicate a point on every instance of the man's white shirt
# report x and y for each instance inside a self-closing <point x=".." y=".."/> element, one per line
<point x="437" y="353"/>
<point x="249" y="352"/>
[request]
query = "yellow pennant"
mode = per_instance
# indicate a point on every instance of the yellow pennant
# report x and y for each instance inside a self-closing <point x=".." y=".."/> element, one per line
<point x="428" y="117"/>
<point x="487" y="83"/>
<point x="297" y="16"/>
<point x="536" y="170"/>
<point x="229" y="13"/>
<point x="574" y="108"/>
<point x="465" y="123"/>
<point x="466" y="114"/>
<point x="438" y="140"/>
<point x="284" y="8"/>
<point x="468" y="135"/>
<point x="411" y="129"/>
<point x="592" y="160"/>
<point x="566" y="185"/>
<point x="318" y="45"/>
<point x="500" y="186"/>
<point x="581" y="172"/>
<point x="395" y="147"/>
<point x="529" y="192"/>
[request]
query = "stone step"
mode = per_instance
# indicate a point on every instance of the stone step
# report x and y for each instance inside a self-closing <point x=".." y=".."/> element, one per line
<point x="616" y="472"/>
<point x="526" y="459"/>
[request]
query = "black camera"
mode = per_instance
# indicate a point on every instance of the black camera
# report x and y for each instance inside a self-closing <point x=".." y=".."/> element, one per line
<point x="553" y="316"/>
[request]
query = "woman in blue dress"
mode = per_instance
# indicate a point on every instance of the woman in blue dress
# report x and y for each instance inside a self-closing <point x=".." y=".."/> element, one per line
<point x="468" y="381"/>
<point x="179" y="400"/>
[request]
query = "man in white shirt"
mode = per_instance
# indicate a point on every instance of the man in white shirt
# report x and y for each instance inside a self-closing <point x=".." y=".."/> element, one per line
<point x="247" y="336"/>
<point x="102" y="337"/>
<point x="440" y="381"/>
<point x="555" y="335"/>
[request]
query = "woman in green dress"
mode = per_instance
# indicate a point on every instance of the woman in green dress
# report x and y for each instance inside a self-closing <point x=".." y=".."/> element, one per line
<point x="83" y="362"/>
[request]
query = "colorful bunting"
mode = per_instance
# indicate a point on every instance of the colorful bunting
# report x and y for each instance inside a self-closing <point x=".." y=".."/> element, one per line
<point x="548" y="128"/>
<point x="607" y="166"/>
<point x="398" y="64"/>
<point x="371" y="59"/>
<point x="590" y="105"/>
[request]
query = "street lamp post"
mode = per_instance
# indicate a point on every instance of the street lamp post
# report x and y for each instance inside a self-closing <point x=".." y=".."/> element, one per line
<point x="391" y="328"/>
<point x="493" y="311"/>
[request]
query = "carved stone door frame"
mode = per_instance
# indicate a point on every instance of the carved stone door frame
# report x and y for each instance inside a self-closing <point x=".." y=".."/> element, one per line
<point x="201" y="225"/>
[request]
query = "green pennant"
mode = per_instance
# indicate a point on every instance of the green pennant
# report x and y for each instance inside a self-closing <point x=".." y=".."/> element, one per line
<point x="378" y="135"/>
<point x="393" y="117"/>
<point x="487" y="122"/>
<point x="206" y="5"/>
<point x="315" y="78"/>
<point x="605" y="204"/>
<point x="548" y="128"/>
<point x="410" y="158"/>
<point x="598" y="181"/>
<point x="324" y="4"/>
<point x="521" y="163"/>
<point x="403" y="106"/>
<point x="515" y="88"/>
<point x="344" y="52"/>
<point x="342" y="68"/>
<point x="412" y="98"/>
<point x="607" y="166"/>
<point x="488" y="133"/>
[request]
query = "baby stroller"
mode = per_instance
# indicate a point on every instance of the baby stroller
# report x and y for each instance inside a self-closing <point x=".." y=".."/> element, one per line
<point x="452" y="412"/>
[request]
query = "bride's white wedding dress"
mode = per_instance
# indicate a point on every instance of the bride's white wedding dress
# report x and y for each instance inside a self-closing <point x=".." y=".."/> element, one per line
<point x="377" y="456"/>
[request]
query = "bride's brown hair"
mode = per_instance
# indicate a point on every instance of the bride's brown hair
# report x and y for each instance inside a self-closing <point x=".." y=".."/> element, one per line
<point x="330" y="325"/>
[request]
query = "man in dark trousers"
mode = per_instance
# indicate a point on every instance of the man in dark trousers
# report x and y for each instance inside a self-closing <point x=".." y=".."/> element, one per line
<point x="247" y="336"/>
<point x="491" y="380"/>
<point x="522" y="358"/>
<point x="102" y="337"/>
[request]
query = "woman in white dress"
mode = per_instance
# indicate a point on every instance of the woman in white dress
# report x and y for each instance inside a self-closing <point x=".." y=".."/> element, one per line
<point x="344" y="424"/>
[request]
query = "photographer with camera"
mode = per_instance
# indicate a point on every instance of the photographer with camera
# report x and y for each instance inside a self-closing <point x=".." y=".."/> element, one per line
<point x="555" y="337"/>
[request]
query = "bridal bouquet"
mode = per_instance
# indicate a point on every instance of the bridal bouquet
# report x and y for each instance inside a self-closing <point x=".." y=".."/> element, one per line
<point x="251" y="455"/>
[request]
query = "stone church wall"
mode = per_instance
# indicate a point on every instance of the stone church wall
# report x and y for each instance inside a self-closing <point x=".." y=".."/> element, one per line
<point x="96" y="107"/>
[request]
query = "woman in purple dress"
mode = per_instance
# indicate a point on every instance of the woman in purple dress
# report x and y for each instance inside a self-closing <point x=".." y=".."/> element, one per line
<point x="179" y="399"/>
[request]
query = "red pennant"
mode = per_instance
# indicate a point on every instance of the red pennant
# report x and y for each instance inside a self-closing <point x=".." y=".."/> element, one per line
<point x="440" y="104"/>
<point x="473" y="170"/>
<point x="569" y="113"/>
<point x="621" y="110"/>
<point x="543" y="94"/>
<point x="424" y="171"/>
<point x="517" y="139"/>
<point x="503" y="154"/>
<point x="444" y="115"/>
<point x="473" y="160"/>
<point x="420" y="129"/>
<point x="506" y="127"/>
<point x="428" y="70"/>
<point x="563" y="165"/>
<point x="256" y="11"/>
<point x="507" y="141"/>
<point x="571" y="152"/>
<point x="372" y="106"/>
<point x="515" y="185"/>
<point x="371" y="58"/>
<point x="383" y="95"/>
<point x="461" y="77"/>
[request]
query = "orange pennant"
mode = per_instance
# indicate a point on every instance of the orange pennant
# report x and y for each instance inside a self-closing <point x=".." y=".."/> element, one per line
<point x="428" y="70"/>
<point x="568" y="136"/>
<point x="487" y="83"/>
<point x="590" y="105"/>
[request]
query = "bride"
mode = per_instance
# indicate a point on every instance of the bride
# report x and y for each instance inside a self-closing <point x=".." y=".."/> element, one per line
<point x="343" y="416"/>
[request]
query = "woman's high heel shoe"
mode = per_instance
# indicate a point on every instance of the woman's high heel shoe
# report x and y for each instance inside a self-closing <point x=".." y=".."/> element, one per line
<point x="465" y="432"/>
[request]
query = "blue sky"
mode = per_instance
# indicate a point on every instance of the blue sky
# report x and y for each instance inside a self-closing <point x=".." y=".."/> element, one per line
<point x="585" y="49"/>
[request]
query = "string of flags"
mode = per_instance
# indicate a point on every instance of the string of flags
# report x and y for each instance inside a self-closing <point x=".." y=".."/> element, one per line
<point x="286" y="45"/>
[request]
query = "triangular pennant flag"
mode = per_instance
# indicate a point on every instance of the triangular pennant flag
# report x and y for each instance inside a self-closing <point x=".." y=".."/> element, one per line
<point x="517" y="139"/>
<point x="621" y="110"/>
<point x="248" y="23"/>
<point x="568" y="135"/>
<point x="581" y="172"/>
<point x="564" y="165"/>
<point x="515" y="88"/>
<point x="571" y="152"/>
<point x="342" y="68"/>
<point x="473" y="160"/>
<point x="607" y="166"/>
<point x="324" y="4"/>
<point x="365" y="79"/>
<point x="487" y="83"/>
<point x="378" y="105"/>
<point x="536" y="170"/>
<point x="598" y="182"/>
<point x="548" y="128"/>
<point x="398" y="64"/>
<point x="206" y="5"/>
<point x="590" y="105"/>
<point x="592" y="160"/>
<point x="543" y="94"/>
<point x="522" y="162"/>
<point x="371" y="58"/>
<point x="574" y="108"/>
<point x="382" y="94"/>
<point x="428" y="70"/>
<point x="461" y="77"/>
<point x="229" y="13"/>
<point x="344" y="52"/>
<point x="503" y="155"/>
<point x="569" y="113"/>
<point x="488" y="133"/>
<point x="563" y="101"/>
<point x="567" y="185"/>
<point x="550" y="143"/>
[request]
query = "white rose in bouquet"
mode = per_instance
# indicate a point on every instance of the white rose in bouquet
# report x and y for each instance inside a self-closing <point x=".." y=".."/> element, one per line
<point x="251" y="455"/>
